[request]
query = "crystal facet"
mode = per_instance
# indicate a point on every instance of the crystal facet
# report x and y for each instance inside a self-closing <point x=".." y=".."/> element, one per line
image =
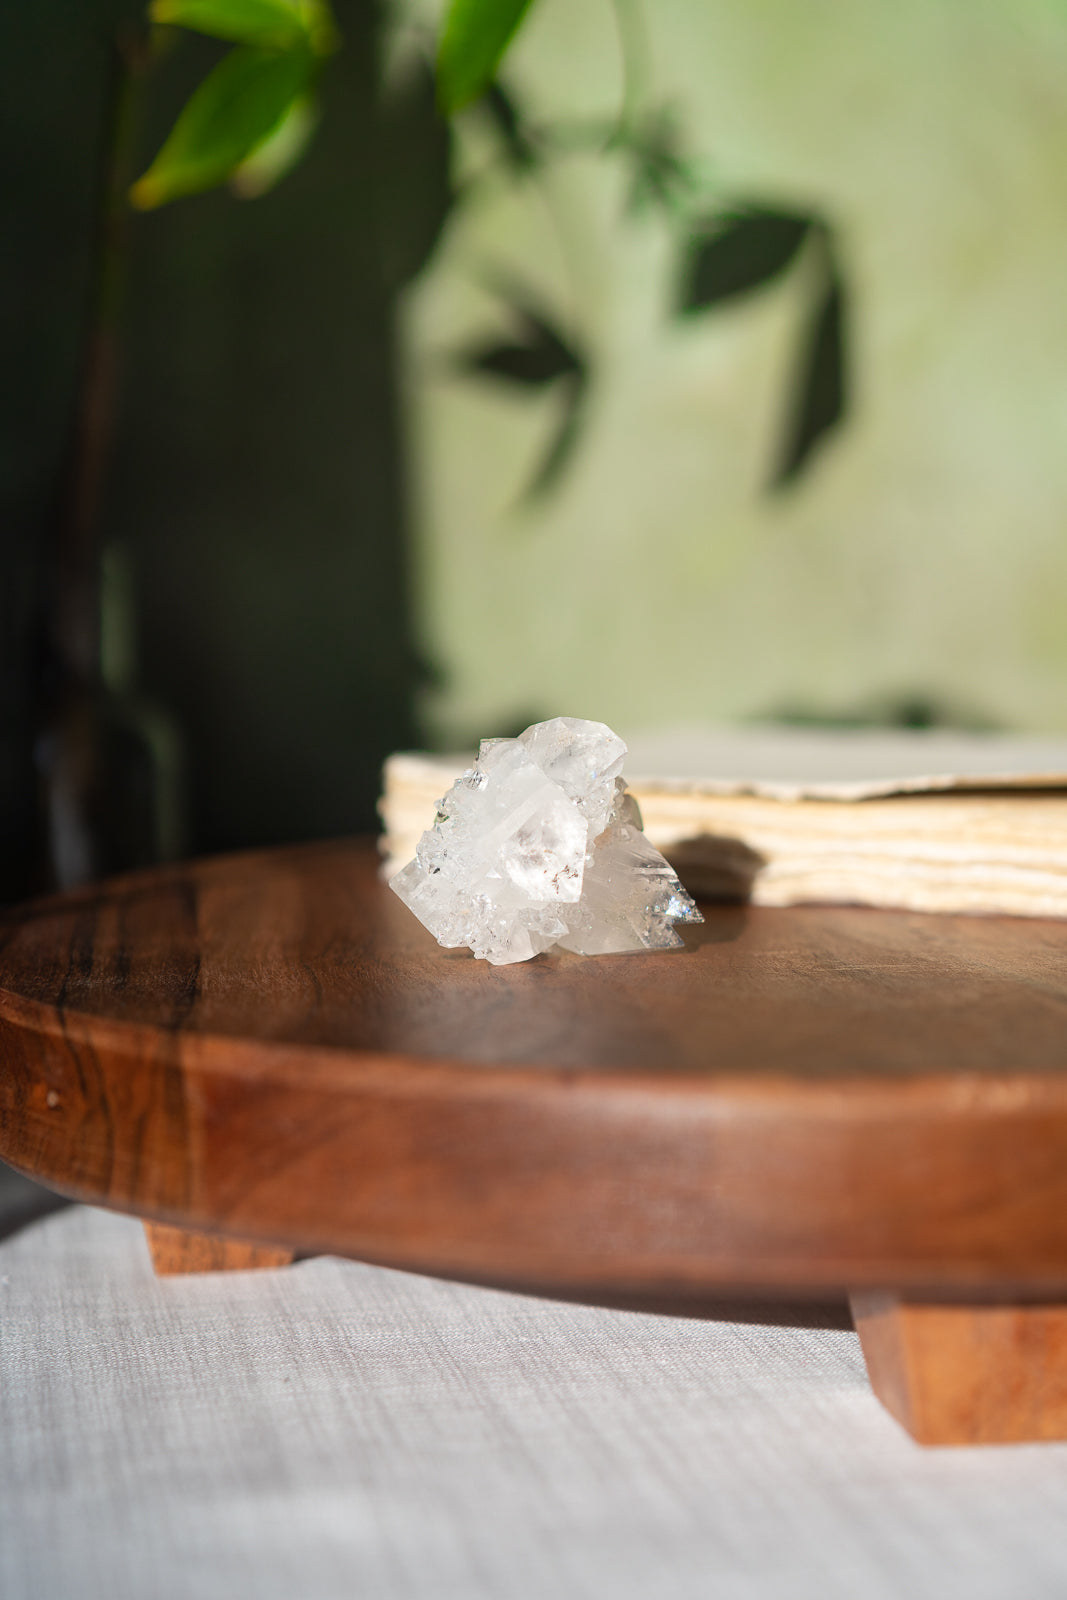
<point x="539" y="844"/>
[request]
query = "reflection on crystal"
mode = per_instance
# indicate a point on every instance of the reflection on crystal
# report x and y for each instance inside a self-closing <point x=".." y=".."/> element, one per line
<point x="537" y="845"/>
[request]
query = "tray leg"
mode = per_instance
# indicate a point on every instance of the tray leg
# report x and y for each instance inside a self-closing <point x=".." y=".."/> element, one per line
<point x="966" y="1374"/>
<point x="173" y="1250"/>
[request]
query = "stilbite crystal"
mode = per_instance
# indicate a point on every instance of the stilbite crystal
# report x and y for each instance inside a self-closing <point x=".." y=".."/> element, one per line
<point x="538" y="844"/>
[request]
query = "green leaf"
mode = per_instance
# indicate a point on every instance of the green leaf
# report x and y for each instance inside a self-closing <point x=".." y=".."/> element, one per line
<point x="561" y="445"/>
<point x="820" y="394"/>
<point x="234" y="111"/>
<point x="540" y="356"/>
<point x="476" y="34"/>
<point x="242" y="21"/>
<point x="750" y="249"/>
<point x="532" y="365"/>
<point x="278" y="154"/>
<point x="661" y="174"/>
<point x="519" y="151"/>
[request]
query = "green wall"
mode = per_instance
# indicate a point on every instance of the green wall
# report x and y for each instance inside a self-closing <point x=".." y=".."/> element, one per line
<point x="924" y="551"/>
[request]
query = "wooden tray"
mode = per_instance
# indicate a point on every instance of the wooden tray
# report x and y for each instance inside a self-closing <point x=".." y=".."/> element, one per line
<point x="820" y="1100"/>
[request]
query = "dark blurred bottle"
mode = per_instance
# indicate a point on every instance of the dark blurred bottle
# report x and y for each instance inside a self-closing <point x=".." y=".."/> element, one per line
<point x="109" y="761"/>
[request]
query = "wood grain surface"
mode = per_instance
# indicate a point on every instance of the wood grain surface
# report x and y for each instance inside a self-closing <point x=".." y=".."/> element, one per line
<point x="967" y="1374"/>
<point x="805" y="1100"/>
<point x="176" y="1252"/>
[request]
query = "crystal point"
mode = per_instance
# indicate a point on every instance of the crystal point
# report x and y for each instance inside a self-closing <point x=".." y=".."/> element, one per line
<point x="539" y="844"/>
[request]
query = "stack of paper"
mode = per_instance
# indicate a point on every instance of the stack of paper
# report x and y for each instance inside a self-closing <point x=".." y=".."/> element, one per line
<point x="924" y="821"/>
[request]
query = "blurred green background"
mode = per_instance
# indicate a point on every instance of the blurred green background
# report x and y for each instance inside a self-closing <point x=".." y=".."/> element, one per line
<point x="466" y="424"/>
<point x="921" y="554"/>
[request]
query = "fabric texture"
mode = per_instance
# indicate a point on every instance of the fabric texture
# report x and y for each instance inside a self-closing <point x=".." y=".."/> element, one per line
<point x="332" y="1430"/>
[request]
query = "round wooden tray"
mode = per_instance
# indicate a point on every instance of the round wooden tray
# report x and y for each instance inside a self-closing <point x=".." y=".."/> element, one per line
<point x="806" y="1099"/>
<point x="812" y="1100"/>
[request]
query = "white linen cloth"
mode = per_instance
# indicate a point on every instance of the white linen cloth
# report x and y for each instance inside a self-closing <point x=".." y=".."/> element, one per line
<point x="333" y="1431"/>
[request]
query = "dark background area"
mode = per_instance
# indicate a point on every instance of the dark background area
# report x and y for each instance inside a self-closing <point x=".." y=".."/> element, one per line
<point x="254" y="487"/>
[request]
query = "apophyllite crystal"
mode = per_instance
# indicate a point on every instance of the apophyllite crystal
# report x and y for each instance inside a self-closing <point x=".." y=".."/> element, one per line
<point x="538" y="844"/>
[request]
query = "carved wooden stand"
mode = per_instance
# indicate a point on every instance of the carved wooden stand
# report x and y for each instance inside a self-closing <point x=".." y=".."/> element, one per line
<point x="801" y="1102"/>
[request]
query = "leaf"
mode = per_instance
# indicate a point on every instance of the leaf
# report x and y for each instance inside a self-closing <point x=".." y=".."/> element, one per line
<point x="279" y="153"/>
<point x="820" y="397"/>
<point x="661" y="174"/>
<point x="563" y="442"/>
<point x="532" y="365"/>
<point x="751" y="248"/>
<point x="242" y="21"/>
<point x="540" y="356"/>
<point x="234" y="111"/>
<point x="520" y="153"/>
<point x="475" y="36"/>
<point x="539" y="359"/>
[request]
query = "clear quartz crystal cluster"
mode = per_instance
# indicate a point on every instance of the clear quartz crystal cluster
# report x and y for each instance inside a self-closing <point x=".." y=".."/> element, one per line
<point x="538" y="844"/>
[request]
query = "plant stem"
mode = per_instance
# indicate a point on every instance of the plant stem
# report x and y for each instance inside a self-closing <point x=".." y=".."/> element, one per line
<point x="73" y="620"/>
